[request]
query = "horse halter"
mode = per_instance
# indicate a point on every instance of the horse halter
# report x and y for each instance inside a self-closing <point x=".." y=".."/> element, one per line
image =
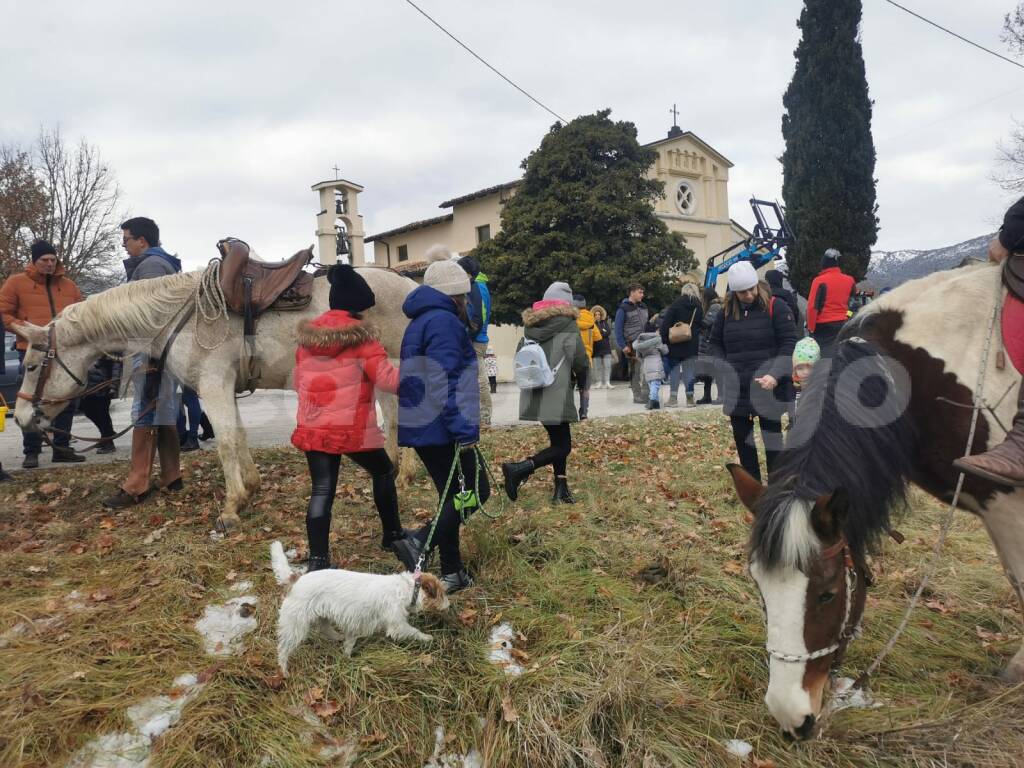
<point x="50" y="356"/>
<point x="846" y="633"/>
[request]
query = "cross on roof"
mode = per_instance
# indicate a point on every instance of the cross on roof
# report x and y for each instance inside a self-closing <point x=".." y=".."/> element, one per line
<point x="337" y="170"/>
<point x="675" y="114"/>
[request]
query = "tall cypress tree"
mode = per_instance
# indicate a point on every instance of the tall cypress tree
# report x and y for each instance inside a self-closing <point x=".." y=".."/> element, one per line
<point x="829" y="163"/>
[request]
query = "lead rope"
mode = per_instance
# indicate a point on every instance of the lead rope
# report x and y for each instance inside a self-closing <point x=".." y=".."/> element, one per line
<point x="211" y="304"/>
<point x="863" y="681"/>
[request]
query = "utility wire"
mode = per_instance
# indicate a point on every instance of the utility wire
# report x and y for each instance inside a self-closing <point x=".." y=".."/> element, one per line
<point x="479" y="58"/>
<point x="954" y="34"/>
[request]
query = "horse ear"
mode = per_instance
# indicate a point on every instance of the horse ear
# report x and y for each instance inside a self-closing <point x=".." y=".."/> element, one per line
<point x="823" y="514"/>
<point x="748" y="488"/>
<point x="33" y="334"/>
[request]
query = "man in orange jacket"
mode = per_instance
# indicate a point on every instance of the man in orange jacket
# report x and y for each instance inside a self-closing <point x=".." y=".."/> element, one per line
<point x="828" y="302"/>
<point x="36" y="296"/>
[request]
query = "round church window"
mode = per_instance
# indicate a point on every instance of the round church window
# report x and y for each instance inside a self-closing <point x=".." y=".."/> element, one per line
<point x="686" y="198"/>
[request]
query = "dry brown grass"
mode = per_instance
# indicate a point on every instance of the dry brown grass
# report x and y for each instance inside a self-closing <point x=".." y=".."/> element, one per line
<point x="642" y="636"/>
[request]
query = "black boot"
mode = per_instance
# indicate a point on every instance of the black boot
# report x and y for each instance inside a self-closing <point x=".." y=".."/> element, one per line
<point x="408" y="550"/>
<point x="4" y="477"/>
<point x="207" y="428"/>
<point x="390" y="537"/>
<point x="317" y="564"/>
<point x="562" y="493"/>
<point x="654" y="405"/>
<point x="66" y="455"/>
<point x="515" y="473"/>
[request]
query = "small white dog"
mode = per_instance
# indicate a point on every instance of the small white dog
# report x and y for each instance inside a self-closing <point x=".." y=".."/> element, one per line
<point x="346" y="605"/>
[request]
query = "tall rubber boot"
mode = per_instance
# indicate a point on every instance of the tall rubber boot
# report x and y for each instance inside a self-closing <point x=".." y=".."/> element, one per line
<point x="1004" y="464"/>
<point x="170" y="458"/>
<point x="136" y="486"/>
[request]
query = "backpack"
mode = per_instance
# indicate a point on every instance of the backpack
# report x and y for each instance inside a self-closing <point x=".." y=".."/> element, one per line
<point x="530" y="367"/>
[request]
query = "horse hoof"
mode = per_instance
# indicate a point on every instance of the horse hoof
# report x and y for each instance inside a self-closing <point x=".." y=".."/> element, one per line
<point x="227" y="523"/>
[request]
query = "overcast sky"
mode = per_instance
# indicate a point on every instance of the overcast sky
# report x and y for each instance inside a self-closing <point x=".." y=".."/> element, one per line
<point x="219" y="116"/>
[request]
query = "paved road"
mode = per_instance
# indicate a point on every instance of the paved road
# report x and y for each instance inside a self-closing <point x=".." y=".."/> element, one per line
<point x="269" y="419"/>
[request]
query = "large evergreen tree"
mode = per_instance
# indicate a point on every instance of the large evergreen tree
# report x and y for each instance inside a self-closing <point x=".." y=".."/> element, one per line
<point x="829" y="163"/>
<point x="583" y="213"/>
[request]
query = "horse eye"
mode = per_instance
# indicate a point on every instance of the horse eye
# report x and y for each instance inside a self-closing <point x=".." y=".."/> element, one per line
<point x="826" y="597"/>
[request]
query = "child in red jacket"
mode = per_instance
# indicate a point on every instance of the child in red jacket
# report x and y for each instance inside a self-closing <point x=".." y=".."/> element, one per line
<point x="338" y="366"/>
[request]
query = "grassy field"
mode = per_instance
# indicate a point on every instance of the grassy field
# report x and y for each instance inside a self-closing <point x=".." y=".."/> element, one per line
<point x="641" y="634"/>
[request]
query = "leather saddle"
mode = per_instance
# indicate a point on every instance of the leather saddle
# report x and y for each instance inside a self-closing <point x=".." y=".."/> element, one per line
<point x="251" y="287"/>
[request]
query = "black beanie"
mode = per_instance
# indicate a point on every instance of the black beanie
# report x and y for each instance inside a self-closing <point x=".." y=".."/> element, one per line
<point x="349" y="290"/>
<point x="470" y="266"/>
<point x="42" y="248"/>
<point x="1011" y="235"/>
<point x="774" y="278"/>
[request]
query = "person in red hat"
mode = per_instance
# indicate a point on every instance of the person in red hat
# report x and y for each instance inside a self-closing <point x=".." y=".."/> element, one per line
<point x="37" y="296"/>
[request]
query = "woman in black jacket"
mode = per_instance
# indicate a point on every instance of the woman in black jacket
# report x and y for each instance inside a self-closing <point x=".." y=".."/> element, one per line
<point x="753" y="341"/>
<point x="705" y="362"/>
<point x="687" y="309"/>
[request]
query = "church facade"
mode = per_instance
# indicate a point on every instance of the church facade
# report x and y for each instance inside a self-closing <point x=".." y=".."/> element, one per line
<point x="696" y="205"/>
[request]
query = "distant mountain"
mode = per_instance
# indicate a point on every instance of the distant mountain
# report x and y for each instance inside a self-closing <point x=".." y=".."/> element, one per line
<point x="891" y="268"/>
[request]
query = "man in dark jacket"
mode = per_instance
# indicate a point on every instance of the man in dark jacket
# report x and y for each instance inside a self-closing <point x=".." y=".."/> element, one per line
<point x="630" y="322"/>
<point x="1004" y="464"/>
<point x="687" y="309"/>
<point x="156" y="404"/>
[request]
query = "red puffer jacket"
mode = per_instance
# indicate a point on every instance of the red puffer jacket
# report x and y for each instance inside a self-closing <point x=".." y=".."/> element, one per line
<point x="338" y="365"/>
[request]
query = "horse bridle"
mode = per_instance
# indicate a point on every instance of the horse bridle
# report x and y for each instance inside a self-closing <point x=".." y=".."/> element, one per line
<point x="50" y="356"/>
<point x="846" y="633"/>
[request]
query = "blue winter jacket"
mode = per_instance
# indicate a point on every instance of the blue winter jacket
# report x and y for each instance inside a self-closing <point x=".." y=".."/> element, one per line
<point x="438" y="393"/>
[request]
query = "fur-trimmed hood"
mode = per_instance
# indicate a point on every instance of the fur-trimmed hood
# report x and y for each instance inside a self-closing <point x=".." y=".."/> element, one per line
<point x="334" y="331"/>
<point x="537" y="315"/>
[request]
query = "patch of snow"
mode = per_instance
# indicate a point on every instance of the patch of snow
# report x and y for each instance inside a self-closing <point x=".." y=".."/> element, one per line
<point x="845" y="696"/>
<point x="150" y="718"/>
<point x="224" y="626"/>
<point x="741" y="749"/>
<point x="472" y="759"/>
<point x="501" y="649"/>
<point x="241" y="586"/>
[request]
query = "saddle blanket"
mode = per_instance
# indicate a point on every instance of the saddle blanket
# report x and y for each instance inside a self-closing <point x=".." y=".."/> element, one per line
<point x="1013" y="330"/>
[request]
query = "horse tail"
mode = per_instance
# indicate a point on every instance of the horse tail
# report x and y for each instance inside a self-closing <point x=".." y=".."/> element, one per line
<point x="279" y="563"/>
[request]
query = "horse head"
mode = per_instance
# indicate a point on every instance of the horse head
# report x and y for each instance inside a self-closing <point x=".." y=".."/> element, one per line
<point x="55" y="374"/>
<point x="845" y="466"/>
<point x="813" y="591"/>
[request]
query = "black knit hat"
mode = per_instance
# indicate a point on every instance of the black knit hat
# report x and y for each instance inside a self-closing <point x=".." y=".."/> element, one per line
<point x="470" y="265"/>
<point x="42" y="248"/>
<point x="349" y="290"/>
<point x="1011" y="235"/>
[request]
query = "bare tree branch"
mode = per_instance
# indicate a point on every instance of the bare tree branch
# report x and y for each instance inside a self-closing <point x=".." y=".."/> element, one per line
<point x="82" y="217"/>
<point x="1010" y="175"/>
<point x="23" y="207"/>
<point x="1013" y="30"/>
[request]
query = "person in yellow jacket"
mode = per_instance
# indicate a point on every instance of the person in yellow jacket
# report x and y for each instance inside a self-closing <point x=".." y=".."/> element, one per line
<point x="590" y="334"/>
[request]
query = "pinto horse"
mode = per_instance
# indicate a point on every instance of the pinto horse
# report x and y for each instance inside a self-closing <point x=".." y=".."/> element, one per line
<point x="893" y="406"/>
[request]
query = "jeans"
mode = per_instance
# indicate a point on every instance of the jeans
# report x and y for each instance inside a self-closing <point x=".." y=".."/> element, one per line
<point x="32" y="442"/>
<point x="602" y="367"/>
<point x="655" y="389"/>
<point x="191" y="405"/>
<point x="680" y="368"/>
<point x="151" y="388"/>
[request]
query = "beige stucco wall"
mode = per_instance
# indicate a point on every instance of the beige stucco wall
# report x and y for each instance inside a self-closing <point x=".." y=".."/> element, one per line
<point x="418" y="240"/>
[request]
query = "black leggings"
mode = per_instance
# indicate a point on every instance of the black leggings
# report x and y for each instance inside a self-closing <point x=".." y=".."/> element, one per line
<point x="743" y="433"/>
<point x="558" y="453"/>
<point x="97" y="410"/>
<point x="323" y="470"/>
<point x="438" y="460"/>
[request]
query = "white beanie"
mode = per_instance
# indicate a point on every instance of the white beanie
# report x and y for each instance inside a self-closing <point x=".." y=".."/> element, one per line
<point x="444" y="274"/>
<point x="742" y="276"/>
<point x="559" y="292"/>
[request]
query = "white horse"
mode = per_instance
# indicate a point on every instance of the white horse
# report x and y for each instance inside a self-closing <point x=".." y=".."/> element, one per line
<point x="140" y="316"/>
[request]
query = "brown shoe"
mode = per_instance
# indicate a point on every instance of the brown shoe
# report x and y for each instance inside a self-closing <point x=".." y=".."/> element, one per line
<point x="1003" y="464"/>
<point x="122" y="499"/>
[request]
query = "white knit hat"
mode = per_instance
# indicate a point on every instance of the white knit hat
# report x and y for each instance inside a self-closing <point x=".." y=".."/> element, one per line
<point x="742" y="276"/>
<point x="444" y="274"/>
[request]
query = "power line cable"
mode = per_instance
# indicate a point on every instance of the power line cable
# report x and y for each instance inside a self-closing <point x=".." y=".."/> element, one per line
<point x="479" y="58"/>
<point x="954" y="34"/>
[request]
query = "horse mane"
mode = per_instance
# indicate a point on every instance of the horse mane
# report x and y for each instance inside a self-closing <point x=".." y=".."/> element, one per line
<point x="865" y="465"/>
<point x="133" y="310"/>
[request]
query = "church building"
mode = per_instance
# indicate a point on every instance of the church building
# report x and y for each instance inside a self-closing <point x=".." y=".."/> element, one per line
<point x="696" y="204"/>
